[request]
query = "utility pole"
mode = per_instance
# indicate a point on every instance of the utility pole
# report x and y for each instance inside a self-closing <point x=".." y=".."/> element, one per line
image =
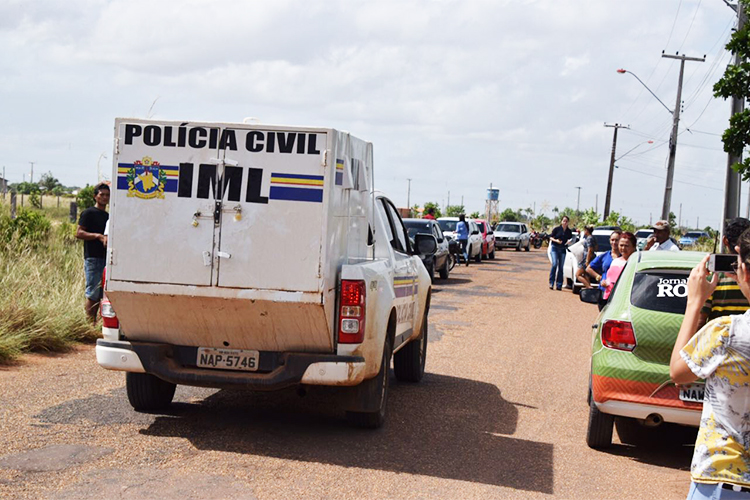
<point x="32" y="171"/>
<point x="608" y="199"/>
<point x="449" y="201"/>
<point x="732" y="191"/>
<point x="673" y="136"/>
<point x="408" y="196"/>
<point x="578" y="203"/>
<point x="679" y="218"/>
<point x="5" y="183"/>
<point x="596" y="205"/>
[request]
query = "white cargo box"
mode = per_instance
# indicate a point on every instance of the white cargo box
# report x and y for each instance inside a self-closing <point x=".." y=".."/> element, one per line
<point x="233" y="235"/>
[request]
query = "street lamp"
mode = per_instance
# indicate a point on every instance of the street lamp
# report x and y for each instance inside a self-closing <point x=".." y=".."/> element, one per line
<point x="623" y="71"/>
<point x="633" y="149"/>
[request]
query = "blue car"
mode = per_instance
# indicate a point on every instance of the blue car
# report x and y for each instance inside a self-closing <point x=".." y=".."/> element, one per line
<point x="691" y="238"/>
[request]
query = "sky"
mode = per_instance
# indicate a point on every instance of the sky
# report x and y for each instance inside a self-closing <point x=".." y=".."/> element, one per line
<point x="454" y="95"/>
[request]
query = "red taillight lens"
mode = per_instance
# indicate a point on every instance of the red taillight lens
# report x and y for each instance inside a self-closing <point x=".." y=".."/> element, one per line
<point x="618" y="335"/>
<point x="352" y="312"/>
<point x="109" y="318"/>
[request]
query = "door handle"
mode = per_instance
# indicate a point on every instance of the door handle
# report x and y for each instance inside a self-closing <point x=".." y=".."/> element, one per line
<point x="223" y="255"/>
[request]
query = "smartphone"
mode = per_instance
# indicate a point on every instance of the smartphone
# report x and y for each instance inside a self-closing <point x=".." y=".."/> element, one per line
<point x="722" y="263"/>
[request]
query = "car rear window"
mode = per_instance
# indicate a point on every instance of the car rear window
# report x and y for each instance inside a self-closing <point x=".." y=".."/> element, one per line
<point x="508" y="228"/>
<point x="448" y="225"/>
<point x="661" y="291"/>
<point x="481" y="226"/>
<point x="602" y="243"/>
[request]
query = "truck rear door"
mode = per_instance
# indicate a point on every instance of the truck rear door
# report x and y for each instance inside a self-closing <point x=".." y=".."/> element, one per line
<point x="161" y="203"/>
<point x="272" y="218"/>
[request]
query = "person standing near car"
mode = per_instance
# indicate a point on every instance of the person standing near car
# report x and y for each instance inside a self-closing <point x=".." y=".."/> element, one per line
<point x="660" y="239"/>
<point x="589" y="253"/>
<point x="462" y="235"/>
<point x="91" y="227"/>
<point x="719" y="353"/>
<point x="429" y="213"/>
<point x="559" y="239"/>
<point x="727" y="298"/>
<point x="627" y="245"/>
<point x="598" y="267"/>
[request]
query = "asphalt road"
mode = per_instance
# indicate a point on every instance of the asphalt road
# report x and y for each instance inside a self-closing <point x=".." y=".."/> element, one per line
<point x="501" y="413"/>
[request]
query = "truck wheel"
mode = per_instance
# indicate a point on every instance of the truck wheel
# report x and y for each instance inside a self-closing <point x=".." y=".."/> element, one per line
<point x="376" y="387"/>
<point x="478" y="257"/>
<point x="492" y="254"/>
<point x="408" y="363"/>
<point x="518" y="248"/>
<point x="147" y="392"/>
<point x="431" y="272"/>
<point x="445" y="271"/>
<point x="599" y="432"/>
<point x="528" y="246"/>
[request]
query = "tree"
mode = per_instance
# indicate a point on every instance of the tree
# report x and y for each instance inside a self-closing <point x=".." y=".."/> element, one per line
<point x="454" y="210"/>
<point x="589" y="217"/>
<point x="736" y="83"/>
<point x="508" y="215"/>
<point x="435" y="207"/>
<point x="474" y="215"/>
<point x="615" y="219"/>
<point x="541" y="222"/>
<point x="48" y="182"/>
<point x="25" y="187"/>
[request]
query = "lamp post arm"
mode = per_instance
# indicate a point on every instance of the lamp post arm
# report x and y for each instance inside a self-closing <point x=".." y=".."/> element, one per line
<point x="646" y="86"/>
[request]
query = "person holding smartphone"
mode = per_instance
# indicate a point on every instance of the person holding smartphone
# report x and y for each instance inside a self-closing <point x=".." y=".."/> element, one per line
<point x="727" y="298"/>
<point x="719" y="353"/>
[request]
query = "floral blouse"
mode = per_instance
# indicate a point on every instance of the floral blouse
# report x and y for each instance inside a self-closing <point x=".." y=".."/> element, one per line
<point x="720" y="353"/>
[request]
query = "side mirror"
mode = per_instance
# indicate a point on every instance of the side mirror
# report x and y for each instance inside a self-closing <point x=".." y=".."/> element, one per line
<point x="475" y="231"/>
<point x="425" y="244"/>
<point x="590" y="295"/>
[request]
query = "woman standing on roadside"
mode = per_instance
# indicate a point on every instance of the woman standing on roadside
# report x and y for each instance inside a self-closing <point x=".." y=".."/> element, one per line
<point x="627" y="248"/>
<point x="559" y="242"/>
<point x="462" y="235"/>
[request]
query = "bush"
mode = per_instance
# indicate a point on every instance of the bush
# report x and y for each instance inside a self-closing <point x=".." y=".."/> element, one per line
<point x="85" y="198"/>
<point x="29" y="228"/>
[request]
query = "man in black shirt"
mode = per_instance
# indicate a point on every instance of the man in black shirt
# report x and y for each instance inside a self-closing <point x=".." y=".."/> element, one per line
<point x="91" y="230"/>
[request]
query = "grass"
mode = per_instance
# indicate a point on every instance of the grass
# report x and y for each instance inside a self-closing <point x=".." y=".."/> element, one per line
<point x="41" y="290"/>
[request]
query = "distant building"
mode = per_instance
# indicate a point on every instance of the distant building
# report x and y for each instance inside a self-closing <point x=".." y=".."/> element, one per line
<point x="3" y="185"/>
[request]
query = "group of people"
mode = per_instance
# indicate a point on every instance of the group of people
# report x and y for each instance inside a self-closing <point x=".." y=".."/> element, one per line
<point x="713" y="344"/>
<point x="604" y="268"/>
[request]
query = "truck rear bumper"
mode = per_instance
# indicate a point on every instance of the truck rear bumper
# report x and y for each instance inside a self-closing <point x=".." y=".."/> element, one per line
<point x="277" y="370"/>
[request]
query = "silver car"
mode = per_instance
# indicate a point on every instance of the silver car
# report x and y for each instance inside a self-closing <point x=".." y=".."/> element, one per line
<point x="512" y="235"/>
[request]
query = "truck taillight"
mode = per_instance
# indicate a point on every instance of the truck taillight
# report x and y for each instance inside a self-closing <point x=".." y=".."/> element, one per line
<point x="352" y="312"/>
<point x="109" y="318"/>
<point x="618" y="335"/>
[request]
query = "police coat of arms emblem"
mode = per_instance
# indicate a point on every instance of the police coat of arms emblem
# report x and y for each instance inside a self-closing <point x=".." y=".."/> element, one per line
<point x="146" y="179"/>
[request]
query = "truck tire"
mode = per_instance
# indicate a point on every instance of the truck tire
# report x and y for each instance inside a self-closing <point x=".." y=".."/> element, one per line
<point x="478" y="257"/>
<point x="408" y="363"/>
<point x="431" y="271"/>
<point x="528" y="246"/>
<point x="599" y="432"/>
<point x="376" y="387"/>
<point x="147" y="392"/>
<point x="492" y="254"/>
<point x="445" y="271"/>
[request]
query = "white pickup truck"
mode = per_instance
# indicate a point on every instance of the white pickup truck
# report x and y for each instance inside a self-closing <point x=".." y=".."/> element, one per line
<point x="258" y="257"/>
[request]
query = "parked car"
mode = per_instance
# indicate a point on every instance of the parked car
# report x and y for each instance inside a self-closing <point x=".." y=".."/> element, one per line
<point x="632" y="344"/>
<point x="512" y="235"/>
<point x="691" y="238"/>
<point x="488" y="239"/>
<point x="641" y="236"/>
<point x="448" y="225"/>
<point x="440" y="261"/>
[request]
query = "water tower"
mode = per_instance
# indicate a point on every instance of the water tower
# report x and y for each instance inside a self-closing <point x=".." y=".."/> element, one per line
<point x="490" y="210"/>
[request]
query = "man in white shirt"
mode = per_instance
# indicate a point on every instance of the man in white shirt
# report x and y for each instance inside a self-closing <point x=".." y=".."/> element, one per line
<point x="660" y="239"/>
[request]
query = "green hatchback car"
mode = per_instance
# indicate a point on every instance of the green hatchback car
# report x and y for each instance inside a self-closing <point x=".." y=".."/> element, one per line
<point x="632" y="343"/>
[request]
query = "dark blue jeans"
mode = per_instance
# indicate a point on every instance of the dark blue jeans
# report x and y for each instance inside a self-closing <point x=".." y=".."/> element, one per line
<point x="558" y="259"/>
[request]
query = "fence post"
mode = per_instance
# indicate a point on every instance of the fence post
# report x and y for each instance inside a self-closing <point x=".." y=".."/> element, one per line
<point x="73" y="211"/>
<point x="12" y="204"/>
<point x="58" y="201"/>
<point x="22" y="199"/>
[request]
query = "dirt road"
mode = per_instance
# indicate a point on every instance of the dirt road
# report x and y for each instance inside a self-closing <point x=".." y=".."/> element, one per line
<point x="501" y="414"/>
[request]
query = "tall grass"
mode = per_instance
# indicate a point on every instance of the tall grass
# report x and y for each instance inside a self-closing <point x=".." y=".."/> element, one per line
<point x="41" y="286"/>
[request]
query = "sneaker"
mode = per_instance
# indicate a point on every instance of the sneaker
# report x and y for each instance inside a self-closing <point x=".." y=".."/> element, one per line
<point x="559" y="289"/>
<point x="551" y="287"/>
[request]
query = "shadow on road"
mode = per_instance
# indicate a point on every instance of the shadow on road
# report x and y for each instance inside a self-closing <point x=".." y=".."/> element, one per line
<point x="669" y="445"/>
<point x="444" y="427"/>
